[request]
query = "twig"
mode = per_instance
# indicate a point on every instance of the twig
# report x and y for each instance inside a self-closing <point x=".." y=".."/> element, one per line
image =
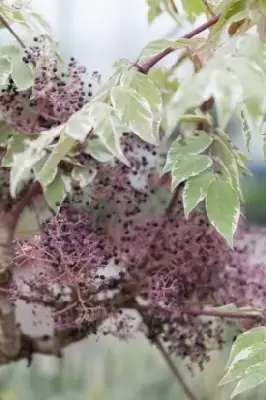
<point x="33" y="190"/>
<point x="8" y="27"/>
<point x="172" y="366"/>
<point x="147" y="65"/>
<point x="218" y="313"/>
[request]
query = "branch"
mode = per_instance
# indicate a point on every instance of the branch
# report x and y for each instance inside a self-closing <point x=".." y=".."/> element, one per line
<point x="48" y="345"/>
<point x="8" y="223"/>
<point x="8" y="27"/>
<point x="147" y="65"/>
<point x="172" y="366"/>
<point x="32" y="191"/>
<point x="220" y="314"/>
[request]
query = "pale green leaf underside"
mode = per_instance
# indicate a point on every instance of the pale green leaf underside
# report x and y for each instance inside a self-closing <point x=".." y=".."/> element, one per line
<point x="223" y="208"/>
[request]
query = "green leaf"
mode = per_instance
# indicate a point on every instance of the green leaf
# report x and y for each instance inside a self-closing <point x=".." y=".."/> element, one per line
<point x="245" y="340"/>
<point x="193" y="8"/>
<point x="222" y="148"/>
<point x="122" y="65"/>
<point x="223" y="209"/>
<point x="227" y="95"/>
<point x="83" y="175"/>
<point x="154" y="47"/>
<point x="188" y="167"/>
<point x="4" y="134"/>
<point x="55" y="193"/>
<point x="134" y="112"/>
<point x="78" y="125"/>
<point x="49" y="177"/>
<point x="251" y="116"/>
<point x="22" y="167"/>
<point x="184" y="147"/>
<point x="108" y="128"/>
<point x="195" y="190"/>
<point x="24" y="161"/>
<point x="146" y="88"/>
<point x="10" y="51"/>
<point x="97" y="150"/>
<point x="227" y="307"/>
<point x="5" y="70"/>
<point x="255" y="375"/>
<point x="104" y="92"/>
<point x="263" y="136"/>
<point x="241" y="162"/>
<point x="246" y="358"/>
<point x="16" y="144"/>
<point x="167" y="83"/>
<point x="154" y="10"/>
<point x="62" y="148"/>
<point x="22" y="74"/>
<point x="231" y="9"/>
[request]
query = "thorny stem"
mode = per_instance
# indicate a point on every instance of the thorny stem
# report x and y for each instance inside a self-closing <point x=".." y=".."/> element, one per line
<point x="172" y="366"/>
<point x="10" y="29"/>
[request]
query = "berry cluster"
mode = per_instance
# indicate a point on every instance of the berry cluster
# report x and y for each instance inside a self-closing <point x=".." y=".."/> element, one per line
<point x="54" y="96"/>
<point x="121" y="251"/>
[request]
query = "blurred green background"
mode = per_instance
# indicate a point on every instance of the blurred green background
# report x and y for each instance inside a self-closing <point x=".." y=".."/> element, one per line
<point x="113" y="370"/>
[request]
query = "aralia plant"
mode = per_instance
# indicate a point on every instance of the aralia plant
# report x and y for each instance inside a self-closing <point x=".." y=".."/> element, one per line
<point x="140" y="182"/>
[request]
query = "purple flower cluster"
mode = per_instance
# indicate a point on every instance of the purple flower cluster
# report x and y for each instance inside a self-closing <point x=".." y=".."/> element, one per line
<point x="121" y="252"/>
